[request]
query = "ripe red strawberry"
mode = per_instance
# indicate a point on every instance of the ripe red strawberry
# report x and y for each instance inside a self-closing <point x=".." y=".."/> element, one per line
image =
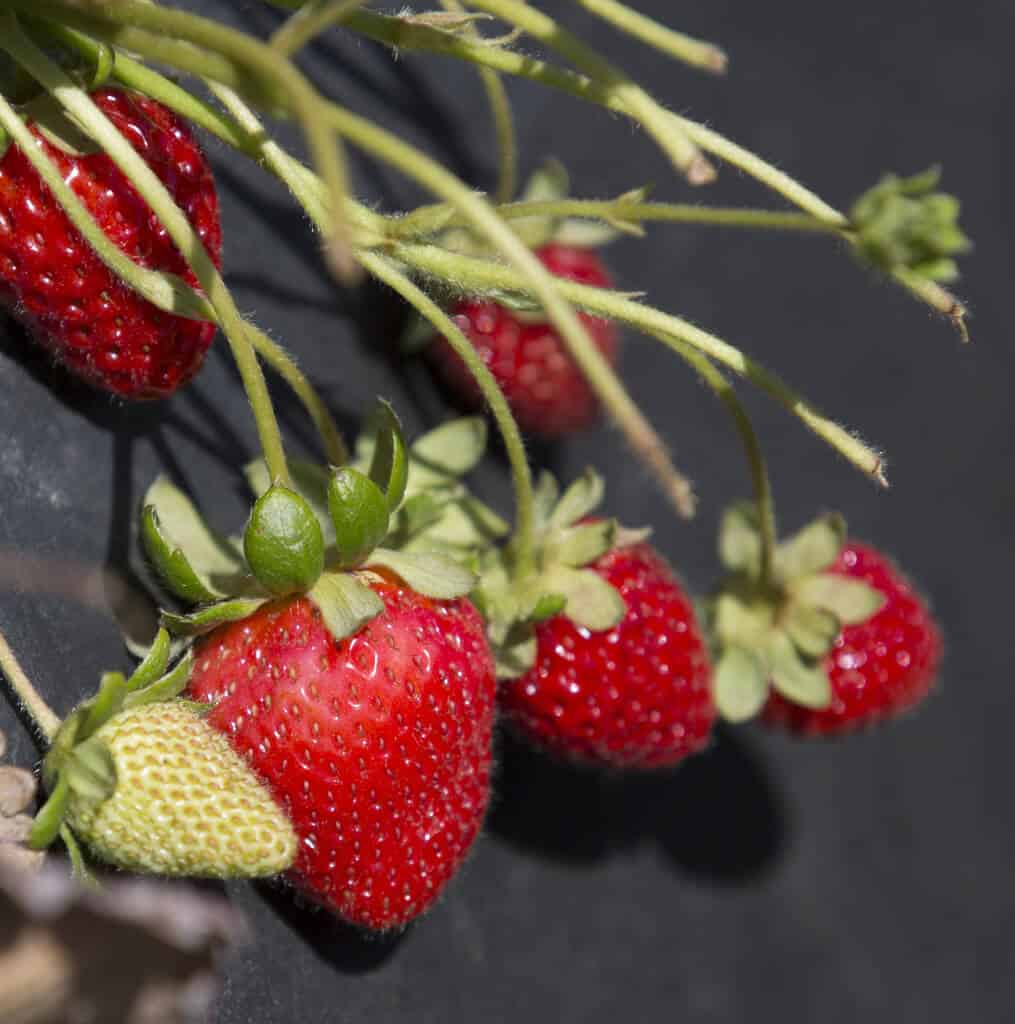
<point x="547" y="392"/>
<point x="878" y="668"/>
<point x="378" y="746"/>
<point x="69" y="300"/>
<point x="635" y="696"/>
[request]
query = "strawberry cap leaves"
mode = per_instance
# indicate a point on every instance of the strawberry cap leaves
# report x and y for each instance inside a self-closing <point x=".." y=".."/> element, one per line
<point x="776" y="632"/>
<point x="283" y="542"/>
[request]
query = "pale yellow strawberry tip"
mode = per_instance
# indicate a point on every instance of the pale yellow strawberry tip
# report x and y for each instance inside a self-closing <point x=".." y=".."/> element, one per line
<point x="185" y="804"/>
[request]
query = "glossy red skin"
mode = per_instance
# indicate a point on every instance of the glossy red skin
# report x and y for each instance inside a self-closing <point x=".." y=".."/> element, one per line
<point x="68" y="299"/>
<point x="377" y="746"/>
<point x="544" y="387"/>
<point x="637" y="696"/>
<point x="878" y="669"/>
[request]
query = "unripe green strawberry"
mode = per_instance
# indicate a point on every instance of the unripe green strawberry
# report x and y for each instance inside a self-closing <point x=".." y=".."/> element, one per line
<point x="184" y="804"/>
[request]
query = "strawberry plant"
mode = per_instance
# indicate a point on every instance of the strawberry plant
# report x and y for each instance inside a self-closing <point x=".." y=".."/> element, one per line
<point x="323" y="687"/>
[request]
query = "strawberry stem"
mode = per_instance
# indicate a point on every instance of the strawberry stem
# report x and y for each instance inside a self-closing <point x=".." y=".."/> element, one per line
<point x="42" y="717"/>
<point x="308" y="22"/>
<point x="668" y="134"/>
<point x="476" y="275"/>
<point x="521" y="475"/>
<point x="691" y="51"/>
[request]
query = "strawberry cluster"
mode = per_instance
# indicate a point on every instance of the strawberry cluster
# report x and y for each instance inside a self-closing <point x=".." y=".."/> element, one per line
<point x="321" y="700"/>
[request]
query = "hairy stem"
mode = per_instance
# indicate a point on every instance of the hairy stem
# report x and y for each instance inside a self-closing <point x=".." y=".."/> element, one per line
<point x="309" y="21"/>
<point x="44" y="720"/>
<point x="691" y="51"/>
<point x="388" y="272"/>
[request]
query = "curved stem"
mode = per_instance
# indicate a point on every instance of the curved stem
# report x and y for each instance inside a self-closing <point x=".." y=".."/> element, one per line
<point x="310" y="20"/>
<point x="521" y="475"/>
<point x="463" y="272"/>
<point x="282" y="363"/>
<point x="671" y="138"/>
<point x="726" y="394"/>
<point x="503" y="121"/>
<point x="43" y="718"/>
<point x="153" y="191"/>
<point x="691" y="51"/>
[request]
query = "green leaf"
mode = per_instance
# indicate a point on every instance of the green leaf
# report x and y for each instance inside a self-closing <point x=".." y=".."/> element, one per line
<point x="851" y="601"/>
<point x="813" y="549"/>
<point x="91" y="771"/>
<point x="812" y="630"/>
<point x="46" y="826"/>
<point x="579" y="545"/>
<point x="359" y="512"/>
<point x="430" y="574"/>
<point x="345" y="603"/>
<point x="547" y="606"/>
<point x="172" y="684"/>
<point x="310" y="481"/>
<point x="739" y="622"/>
<point x="591" y="601"/>
<point x="549" y="182"/>
<point x="204" y="620"/>
<point x="740" y="684"/>
<point x="517" y="654"/>
<point x="544" y="497"/>
<point x="283" y="542"/>
<point x="593" y="234"/>
<point x="449" y="451"/>
<point x="192" y="561"/>
<point x="799" y="681"/>
<point x="154" y="663"/>
<point x="389" y="468"/>
<point x="740" y="539"/>
<point x="106" y="703"/>
<point x="578" y="500"/>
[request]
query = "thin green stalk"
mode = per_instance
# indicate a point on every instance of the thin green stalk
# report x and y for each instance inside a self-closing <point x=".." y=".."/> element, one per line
<point x="726" y="394"/>
<point x="691" y="51"/>
<point x="473" y="275"/>
<point x="674" y="141"/>
<point x="309" y="21"/>
<point x="91" y="119"/>
<point x="427" y="219"/>
<point x="44" y="721"/>
<point x="177" y="29"/>
<point x="386" y="271"/>
<point x="503" y="120"/>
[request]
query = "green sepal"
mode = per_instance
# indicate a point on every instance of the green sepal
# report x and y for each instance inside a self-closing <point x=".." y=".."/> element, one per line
<point x="192" y="561"/>
<point x="740" y="539"/>
<point x="591" y="601"/>
<point x="448" y="452"/>
<point x="547" y="607"/>
<point x="850" y="601"/>
<point x="78" y="868"/>
<point x="516" y="653"/>
<point x="580" y="498"/>
<point x="389" y="468"/>
<point x="90" y="771"/>
<point x="283" y="542"/>
<point x="170" y="685"/>
<point x="740" y="684"/>
<point x="345" y="604"/>
<point x="431" y="574"/>
<point x="580" y="545"/>
<point x="359" y="513"/>
<point x="812" y="630"/>
<point x="310" y="481"/>
<point x="802" y="682"/>
<point x="47" y="822"/>
<point x="101" y="708"/>
<point x="812" y="549"/>
<point x="154" y="663"/>
<point x="204" y="620"/>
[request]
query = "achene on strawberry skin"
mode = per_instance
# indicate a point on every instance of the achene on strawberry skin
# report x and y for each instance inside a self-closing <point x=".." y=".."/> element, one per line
<point x="377" y="746"/>
<point x="878" y="669"/>
<point x="53" y="282"/>
<point x="547" y="392"/>
<point x="636" y="696"/>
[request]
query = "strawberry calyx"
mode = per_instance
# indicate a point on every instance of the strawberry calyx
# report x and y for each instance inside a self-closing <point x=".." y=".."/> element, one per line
<point x="78" y="763"/>
<point x="323" y="536"/>
<point x="567" y="540"/>
<point x="773" y="630"/>
<point x="907" y="222"/>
